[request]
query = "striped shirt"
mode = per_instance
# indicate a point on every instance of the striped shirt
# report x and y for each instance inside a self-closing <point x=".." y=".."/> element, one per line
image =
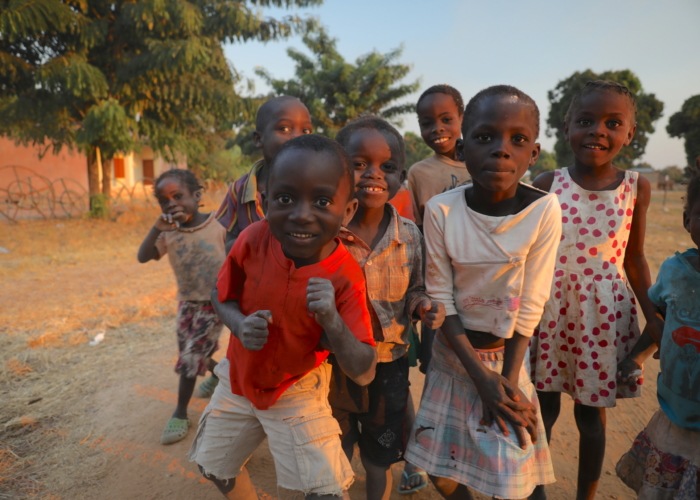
<point x="243" y="204"/>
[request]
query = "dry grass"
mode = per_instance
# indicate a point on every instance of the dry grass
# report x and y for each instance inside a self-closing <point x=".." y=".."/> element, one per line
<point x="64" y="281"/>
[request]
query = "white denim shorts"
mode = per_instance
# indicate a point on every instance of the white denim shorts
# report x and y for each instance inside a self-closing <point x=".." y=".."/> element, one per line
<point x="303" y="436"/>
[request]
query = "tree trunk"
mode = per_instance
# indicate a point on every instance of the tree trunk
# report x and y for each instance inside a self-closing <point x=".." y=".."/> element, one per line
<point x="93" y="174"/>
<point x="107" y="177"/>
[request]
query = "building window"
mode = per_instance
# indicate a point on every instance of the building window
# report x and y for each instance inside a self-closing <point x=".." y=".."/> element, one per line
<point x="119" y="168"/>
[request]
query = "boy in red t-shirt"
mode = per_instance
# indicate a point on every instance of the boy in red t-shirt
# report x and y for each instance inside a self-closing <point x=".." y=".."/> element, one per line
<point x="291" y="293"/>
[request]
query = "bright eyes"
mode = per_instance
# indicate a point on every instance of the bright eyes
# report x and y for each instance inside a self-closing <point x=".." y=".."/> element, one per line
<point x="287" y="129"/>
<point x="285" y="199"/>
<point x="387" y="167"/>
<point x="486" y="138"/>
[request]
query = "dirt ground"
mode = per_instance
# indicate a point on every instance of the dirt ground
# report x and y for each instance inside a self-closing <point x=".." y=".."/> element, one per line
<point x="84" y="421"/>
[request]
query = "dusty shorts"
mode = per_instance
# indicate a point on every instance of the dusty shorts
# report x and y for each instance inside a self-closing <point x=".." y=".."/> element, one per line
<point x="381" y="430"/>
<point x="198" y="330"/>
<point x="303" y="436"/>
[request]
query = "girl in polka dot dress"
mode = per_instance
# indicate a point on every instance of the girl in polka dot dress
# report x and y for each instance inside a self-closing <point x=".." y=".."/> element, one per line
<point x="590" y="321"/>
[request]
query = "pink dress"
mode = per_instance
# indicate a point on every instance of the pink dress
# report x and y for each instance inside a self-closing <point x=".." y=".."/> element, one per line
<point x="590" y="320"/>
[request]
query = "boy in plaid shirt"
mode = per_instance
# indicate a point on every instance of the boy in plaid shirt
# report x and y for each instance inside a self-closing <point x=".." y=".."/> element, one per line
<point x="389" y="250"/>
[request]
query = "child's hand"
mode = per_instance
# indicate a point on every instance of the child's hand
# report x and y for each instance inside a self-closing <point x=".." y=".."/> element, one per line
<point x="629" y="372"/>
<point x="254" y="332"/>
<point x="320" y="300"/>
<point x="432" y="314"/>
<point x="167" y="222"/>
<point x="503" y="402"/>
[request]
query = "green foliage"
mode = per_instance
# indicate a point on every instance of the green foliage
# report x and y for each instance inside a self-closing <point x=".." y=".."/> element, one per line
<point x="115" y="74"/>
<point x="546" y="162"/>
<point x="686" y="125"/>
<point x="99" y="206"/>
<point x="649" y="109"/>
<point x="416" y="149"/>
<point x="337" y="91"/>
<point x="224" y="165"/>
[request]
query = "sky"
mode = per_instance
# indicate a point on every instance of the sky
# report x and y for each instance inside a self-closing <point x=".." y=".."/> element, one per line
<point x="532" y="45"/>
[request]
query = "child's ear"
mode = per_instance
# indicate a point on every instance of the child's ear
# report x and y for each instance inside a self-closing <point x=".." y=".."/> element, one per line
<point x="198" y="194"/>
<point x="686" y="221"/>
<point x="630" y="134"/>
<point x="403" y="175"/>
<point x="535" y="154"/>
<point x="263" y="197"/>
<point x="257" y="139"/>
<point x="350" y="210"/>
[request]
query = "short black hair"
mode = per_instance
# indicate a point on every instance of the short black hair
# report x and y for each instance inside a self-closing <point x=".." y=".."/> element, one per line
<point x="693" y="192"/>
<point x="443" y="88"/>
<point x="601" y="86"/>
<point x="379" y="124"/>
<point x="500" y="90"/>
<point x="319" y="144"/>
<point x="263" y="114"/>
<point x="185" y="177"/>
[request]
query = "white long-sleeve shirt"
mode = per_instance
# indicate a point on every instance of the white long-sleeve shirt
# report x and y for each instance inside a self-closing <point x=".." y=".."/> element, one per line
<point x="495" y="273"/>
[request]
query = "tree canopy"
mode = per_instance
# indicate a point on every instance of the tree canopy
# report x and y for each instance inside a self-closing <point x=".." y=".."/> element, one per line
<point x="649" y="109"/>
<point x="116" y="74"/>
<point x="336" y="91"/>
<point x="686" y="125"/>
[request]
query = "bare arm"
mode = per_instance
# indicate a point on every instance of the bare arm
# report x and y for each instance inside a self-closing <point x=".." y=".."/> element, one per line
<point x="544" y="181"/>
<point x="636" y="267"/>
<point x="251" y="330"/>
<point x="501" y="399"/>
<point x="147" y="250"/>
<point x="357" y="359"/>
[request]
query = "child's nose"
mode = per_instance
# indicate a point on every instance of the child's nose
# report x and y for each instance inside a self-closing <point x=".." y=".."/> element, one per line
<point x="301" y="213"/>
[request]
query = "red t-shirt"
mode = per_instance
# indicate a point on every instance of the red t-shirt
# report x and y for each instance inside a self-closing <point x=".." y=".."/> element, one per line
<point x="258" y="276"/>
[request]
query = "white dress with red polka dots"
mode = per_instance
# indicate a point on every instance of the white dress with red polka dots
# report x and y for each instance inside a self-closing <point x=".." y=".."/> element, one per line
<point x="590" y="320"/>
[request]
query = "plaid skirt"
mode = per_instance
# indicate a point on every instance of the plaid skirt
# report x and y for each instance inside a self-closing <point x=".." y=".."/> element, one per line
<point x="663" y="462"/>
<point x="449" y="441"/>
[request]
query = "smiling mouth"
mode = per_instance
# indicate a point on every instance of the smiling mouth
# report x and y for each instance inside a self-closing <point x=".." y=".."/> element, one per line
<point x="595" y="147"/>
<point x="372" y="189"/>
<point x="441" y="140"/>
<point x="301" y="236"/>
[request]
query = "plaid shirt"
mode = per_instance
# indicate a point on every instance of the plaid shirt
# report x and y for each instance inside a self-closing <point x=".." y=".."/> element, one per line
<point x="243" y="204"/>
<point x="395" y="286"/>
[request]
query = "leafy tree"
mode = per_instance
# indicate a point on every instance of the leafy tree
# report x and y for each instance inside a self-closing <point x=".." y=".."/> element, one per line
<point x="649" y="109"/>
<point x="337" y="91"/>
<point x="105" y="76"/>
<point x="416" y="148"/>
<point x="685" y="124"/>
<point x="545" y="163"/>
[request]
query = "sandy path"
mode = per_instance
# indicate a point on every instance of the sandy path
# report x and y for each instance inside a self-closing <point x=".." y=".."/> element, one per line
<point x="130" y="414"/>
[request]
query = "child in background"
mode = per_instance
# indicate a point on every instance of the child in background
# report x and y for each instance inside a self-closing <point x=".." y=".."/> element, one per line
<point x="389" y="249"/>
<point x="439" y="111"/>
<point x="440" y="119"/>
<point x="290" y="293"/>
<point x="277" y="121"/>
<point x="664" y="460"/>
<point x="590" y="322"/>
<point x="194" y="243"/>
<point x="490" y="249"/>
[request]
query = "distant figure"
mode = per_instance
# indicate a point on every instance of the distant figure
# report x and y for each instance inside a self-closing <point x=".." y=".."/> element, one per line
<point x="590" y="322"/>
<point x="490" y="249"/>
<point x="194" y="243"/>
<point x="664" y="460"/>
<point x="277" y="121"/>
<point x="291" y="294"/>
